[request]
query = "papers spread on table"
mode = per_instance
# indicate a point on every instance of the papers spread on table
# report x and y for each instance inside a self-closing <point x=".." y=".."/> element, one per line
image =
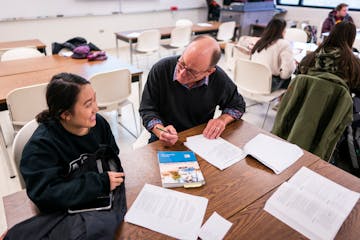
<point x="273" y="153"/>
<point x="179" y="169"/>
<point x="215" y="228"/>
<point x="133" y="35"/>
<point x="312" y="204"/>
<point x="169" y="212"/>
<point x="218" y="152"/>
<point x="204" y="24"/>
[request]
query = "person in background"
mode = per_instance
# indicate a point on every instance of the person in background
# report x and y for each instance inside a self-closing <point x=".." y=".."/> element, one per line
<point x="339" y="14"/>
<point x="335" y="55"/>
<point x="69" y="135"/>
<point x="276" y="53"/>
<point x="183" y="91"/>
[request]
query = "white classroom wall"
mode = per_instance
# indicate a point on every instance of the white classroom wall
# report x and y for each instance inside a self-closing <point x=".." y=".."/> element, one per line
<point x="100" y="29"/>
<point x="97" y="29"/>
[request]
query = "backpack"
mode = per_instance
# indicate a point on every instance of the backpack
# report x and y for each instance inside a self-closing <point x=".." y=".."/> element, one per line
<point x="347" y="152"/>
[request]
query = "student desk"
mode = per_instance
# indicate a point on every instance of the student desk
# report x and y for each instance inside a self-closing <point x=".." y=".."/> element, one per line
<point x="255" y="223"/>
<point x="165" y="32"/>
<point x="229" y="191"/>
<point x="23" y="43"/>
<point x="26" y="72"/>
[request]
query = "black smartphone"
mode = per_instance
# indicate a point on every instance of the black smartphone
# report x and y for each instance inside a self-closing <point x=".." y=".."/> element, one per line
<point x="100" y="203"/>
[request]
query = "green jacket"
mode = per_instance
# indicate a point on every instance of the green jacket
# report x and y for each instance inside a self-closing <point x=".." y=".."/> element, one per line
<point x="314" y="112"/>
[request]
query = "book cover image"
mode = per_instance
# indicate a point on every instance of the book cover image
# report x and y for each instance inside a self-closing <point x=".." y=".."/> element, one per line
<point x="180" y="169"/>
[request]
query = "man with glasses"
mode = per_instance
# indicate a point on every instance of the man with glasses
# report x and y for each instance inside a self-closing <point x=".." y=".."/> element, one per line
<point x="183" y="92"/>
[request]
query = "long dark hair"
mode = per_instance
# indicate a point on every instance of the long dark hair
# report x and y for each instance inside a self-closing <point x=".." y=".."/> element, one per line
<point x="341" y="37"/>
<point x="273" y="31"/>
<point x="61" y="95"/>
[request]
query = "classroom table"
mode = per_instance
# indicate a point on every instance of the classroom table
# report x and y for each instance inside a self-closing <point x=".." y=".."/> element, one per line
<point x="23" y="43"/>
<point x="165" y="32"/>
<point x="237" y="193"/>
<point x="30" y="71"/>
<point x="255" y="223"/>
<point x="229" y="191"/>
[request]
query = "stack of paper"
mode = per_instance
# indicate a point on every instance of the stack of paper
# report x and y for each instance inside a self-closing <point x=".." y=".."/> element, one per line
<point x="312" y="204"/>
<point x="273" y="153"/>
<point x="218" y="152"/>
<point x="169" y="212"/>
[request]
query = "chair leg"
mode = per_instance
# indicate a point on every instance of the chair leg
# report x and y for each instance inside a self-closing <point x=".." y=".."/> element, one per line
<point x="136" y="126"/>
<point x="6" y="154"/>
<point x="262" y="126"/>
<point x="127" y="129"/>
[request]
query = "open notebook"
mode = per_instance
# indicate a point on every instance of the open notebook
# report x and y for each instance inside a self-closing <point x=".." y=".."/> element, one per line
<point x="274" y="153"/>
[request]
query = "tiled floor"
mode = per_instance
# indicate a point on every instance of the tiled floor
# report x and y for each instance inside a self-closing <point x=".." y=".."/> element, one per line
<point x="254" y="115"/>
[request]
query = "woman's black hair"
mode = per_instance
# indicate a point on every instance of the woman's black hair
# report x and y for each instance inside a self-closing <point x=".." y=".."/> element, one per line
<point x="273" y="31"/>
<point x="61" y="95"/>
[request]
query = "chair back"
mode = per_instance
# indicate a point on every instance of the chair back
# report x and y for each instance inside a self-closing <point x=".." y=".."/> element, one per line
<point x="183" y="23"/>
<point x="252" y="77"/>
<point x="295" y="35"/>
<point x="148" y="41"/>
<point x="226" y="31"/>
<point x="20" y="53"/>
<point x="26" y="102"/>
<point x="21" y="138"/>
<point x="111" y="87"/>
<point x="180" y="36"/>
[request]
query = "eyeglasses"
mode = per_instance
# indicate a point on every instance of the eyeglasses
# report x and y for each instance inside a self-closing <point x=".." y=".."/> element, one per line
<point x="193" y="73"/>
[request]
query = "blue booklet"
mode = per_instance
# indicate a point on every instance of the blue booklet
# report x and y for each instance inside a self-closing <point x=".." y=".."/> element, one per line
<point x="179" y="169"/>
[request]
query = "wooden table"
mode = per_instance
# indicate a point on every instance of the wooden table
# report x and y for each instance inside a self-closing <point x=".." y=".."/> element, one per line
<point x="255" y="223"/>
<point x="237" y="193"/>
<point x="165" y="32"/>
<point x="229" y="191"/>
<point x="23" y="43"/>
<point x="26" y="72"/>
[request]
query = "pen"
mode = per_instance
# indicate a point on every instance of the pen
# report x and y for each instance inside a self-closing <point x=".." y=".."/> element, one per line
<point x="163" y="130"/>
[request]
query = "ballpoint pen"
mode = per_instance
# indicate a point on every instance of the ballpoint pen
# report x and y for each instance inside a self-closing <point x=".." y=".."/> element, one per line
<point x="163" y="130"/>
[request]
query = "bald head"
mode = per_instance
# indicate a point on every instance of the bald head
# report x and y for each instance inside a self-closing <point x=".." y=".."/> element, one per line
<point x="206" y="48"/>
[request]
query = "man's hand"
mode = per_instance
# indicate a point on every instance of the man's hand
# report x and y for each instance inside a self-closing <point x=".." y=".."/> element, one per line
<point x="167" y="134"/>
<point x="215" y="127"/>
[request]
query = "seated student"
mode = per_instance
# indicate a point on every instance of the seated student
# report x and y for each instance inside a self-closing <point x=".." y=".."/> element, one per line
<point x="334" y="55"/>
<point x="337" y="15"/>
<point x="183" y="92"/>
<point x="276" y="53"/>
<point x="56" y="166"/>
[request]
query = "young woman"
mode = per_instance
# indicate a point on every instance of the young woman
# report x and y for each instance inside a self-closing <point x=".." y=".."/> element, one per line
<point x="335" y="55"/>
<point x="60" y="165"/>
<point x="276" y="53"/>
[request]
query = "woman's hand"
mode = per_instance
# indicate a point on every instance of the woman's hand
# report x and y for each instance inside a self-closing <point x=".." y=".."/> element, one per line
<point x="115" y="179"/>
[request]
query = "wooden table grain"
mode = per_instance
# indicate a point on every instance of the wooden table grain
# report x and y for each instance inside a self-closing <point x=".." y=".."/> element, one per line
<point x="26" y="72"/>
<point x="229" y="191"/>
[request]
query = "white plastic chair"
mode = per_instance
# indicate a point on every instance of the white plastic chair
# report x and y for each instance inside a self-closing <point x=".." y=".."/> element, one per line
<point x="20" y="53"/>
<point x="21" y="138"/>
<point x="25" y="103"/>
<point x="183" y="23"/>
<point x="179" y="39"/>
<point x="226" y="31"/>
<point x="295" y="35"/>
<point x="112" y="91"/>
<point x="254" y="82"/>
<point x="148" y="42"/>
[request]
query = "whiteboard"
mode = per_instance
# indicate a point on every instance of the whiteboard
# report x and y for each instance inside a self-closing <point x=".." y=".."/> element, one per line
<point x="129" y="6"/>
<point x="30" y="9"/>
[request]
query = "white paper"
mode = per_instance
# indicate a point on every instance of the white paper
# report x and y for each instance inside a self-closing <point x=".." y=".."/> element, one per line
<point x="133" y="34"/>
<point x="218" y="152"/>
<point x="273" y="153"/>
<point x="215" y="228"/>
<point x="312" y="204"/>
<point x="204" y="24"/>
<point x="169" y="212"/>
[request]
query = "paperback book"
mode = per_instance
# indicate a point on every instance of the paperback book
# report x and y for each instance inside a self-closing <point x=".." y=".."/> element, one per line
<point x="179" y="169"/>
